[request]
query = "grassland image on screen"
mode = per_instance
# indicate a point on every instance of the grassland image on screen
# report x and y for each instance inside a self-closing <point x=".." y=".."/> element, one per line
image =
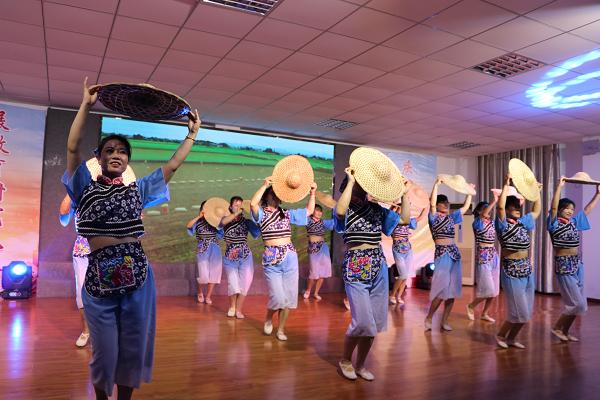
<point x="221" y="163"/>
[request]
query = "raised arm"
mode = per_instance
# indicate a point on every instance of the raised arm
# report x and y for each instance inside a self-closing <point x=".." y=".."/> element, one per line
<point x="590" y="206"/>
<point x="405" y="210"/>
<point x="556" y="198"/>
<point x="466" y="204"/>
<point x="537" y="206"/>
<point x="501" y="209"/>
<point x="90" y="95"/>
<point x="184" y="148"/>
<point x="487" y="212"/>
<point x="229" y="218"/>
<point x="421" y="215"/>
<point x="433" y="196"/>
<point x="255" y="201"/>
<point x="344" y="201"/>
<point x="190" y="224"/>
<point x="310" y="206"/>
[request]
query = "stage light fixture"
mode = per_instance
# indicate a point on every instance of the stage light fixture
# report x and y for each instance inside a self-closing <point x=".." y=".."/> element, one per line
<point x="425" y="275"/>
<point x="16" y="280"/>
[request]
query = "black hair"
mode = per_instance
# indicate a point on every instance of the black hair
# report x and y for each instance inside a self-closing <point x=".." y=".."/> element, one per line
<point x="564" y="203"/>
<point x="318" y="207"/>
<point x="120" y="138"/>
<point x="479" y="208"/>
<point x="202" y="205"/>
<point x="513" y="201"/>
<point x="234" y="199"/>
<point x="344" y="184"/>
<point x="263" y="200"/>
<point x="441" y="198"/>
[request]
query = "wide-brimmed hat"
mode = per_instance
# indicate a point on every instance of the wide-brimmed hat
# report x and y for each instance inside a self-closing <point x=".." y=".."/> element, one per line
<point x="582" y="177"/>
<point x="511" y="192"/>
<point x="417" y="196"/>
<point x="214" y="210"/>
<point x="292" y="177"/>
<point x="326" y="200"/>
<point x="95" y="169"/>
<point x="143" y="101"/>
<point x="524" y="179"/>
<point x="457" y="183"/>
<point x="377" y="174"/>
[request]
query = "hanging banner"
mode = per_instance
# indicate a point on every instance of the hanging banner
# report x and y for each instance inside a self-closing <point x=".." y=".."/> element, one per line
<point x="21" y="159"/>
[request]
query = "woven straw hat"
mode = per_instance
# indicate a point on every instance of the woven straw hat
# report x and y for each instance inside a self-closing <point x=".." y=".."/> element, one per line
<point x="94" y="167"/>
<point x="326" y="200"/>
<point x="143" y="101"/>
<point x="377" y="174"/>
<point x="524" y="179"/>
<point x="582" y="177"/>
<point x="457" y="183"/>
<point x="214" y="210"/>
<point x="292" y="177"/>
<point x="417" y="196"/>
<point x="511" y="192"/>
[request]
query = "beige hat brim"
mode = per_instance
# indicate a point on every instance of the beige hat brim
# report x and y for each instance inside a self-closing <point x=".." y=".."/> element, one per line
<point x="377" y="174"/>
<point x="298" y="167"/>
<point x="214" y="210"/>
<point x="582" y="178"/>
<point x="511" y="192"/>
<point x="326" y="200"/>
<point x="523" y="179"/>
<point x="94" y="167"/>
<point x="457" y="183"/>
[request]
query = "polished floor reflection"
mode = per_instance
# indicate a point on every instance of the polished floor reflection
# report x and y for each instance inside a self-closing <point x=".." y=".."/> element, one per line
<point x="202" y="354"/>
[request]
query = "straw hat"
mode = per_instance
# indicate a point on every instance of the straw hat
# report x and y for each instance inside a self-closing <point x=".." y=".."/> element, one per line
<point x="326" y="200"/>
<point x="292" y="177"/>
<point x="143" y="101"/>
<point x="524" y="179"/>
<point x="582" y="177"/>
<point x="94" y="167"/>
<point x="214" y="210"/>
<point x="417" y="196"/>
<point x="511" y="192"/>
<point x="377" y="174"/>
<point x="457" y="183"/>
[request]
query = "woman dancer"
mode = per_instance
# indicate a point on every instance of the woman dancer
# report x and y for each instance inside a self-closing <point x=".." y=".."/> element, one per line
<point x="81" y="249"/>
<point x="280" y="261"/>
<point x="446" y="284"/>
<point x="119" y="296"/>
<point x="486" y="260"/>
<point x="208" y="254"/>
<point x="564" y="226"/>
<point x="364" y="270"/>
<point x="238" y="263"/>
<point x="402" y="251"/>
<point x="318" y="251"/>
<point x="516" y="276"/>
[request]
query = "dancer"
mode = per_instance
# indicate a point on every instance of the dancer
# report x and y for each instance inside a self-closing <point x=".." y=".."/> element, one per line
<point x="280" y="261"/>
<point x="208" y="252"/>
<point x="119" y="297"/>
<point x="81" y="249"/>
<point x="487" y="262"/>
<point x="238" y="262"/>
<point x="402" y="252"/>
<point x="318" y="251"/>
<point x="446" y="284"/>
<point x="364" y="268"/>
<point x="513" y="230"/>
<point x="564" y="227"/>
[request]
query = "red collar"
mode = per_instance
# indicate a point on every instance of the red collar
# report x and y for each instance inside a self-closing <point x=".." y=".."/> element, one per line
<point x="563" y="220"/>
<point x="511" y="221"/>
<point x="105" y="180"/>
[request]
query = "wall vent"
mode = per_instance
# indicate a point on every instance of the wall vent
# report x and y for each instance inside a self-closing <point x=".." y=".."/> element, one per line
<point x="261" y="7"/>
<point x="508" y="65"/>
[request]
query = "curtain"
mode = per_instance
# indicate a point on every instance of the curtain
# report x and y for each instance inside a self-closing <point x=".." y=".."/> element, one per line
<point x="544" y="161"/>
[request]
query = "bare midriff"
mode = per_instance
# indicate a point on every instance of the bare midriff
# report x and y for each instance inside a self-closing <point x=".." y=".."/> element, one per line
<point x="515" y="255"/>
<point x="315" y="239"/>
<point x="485" y="245"/>
<point x="99" y="242"/>
<point x="566" y="251"/>
<point x="361" y="246"/>
<point x="444" y="242"/>
<point x="278" y="241"/>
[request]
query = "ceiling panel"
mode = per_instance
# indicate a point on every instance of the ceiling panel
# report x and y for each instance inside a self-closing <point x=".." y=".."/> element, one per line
<point x="319" y="14"/>
<point x="371" y="25"/>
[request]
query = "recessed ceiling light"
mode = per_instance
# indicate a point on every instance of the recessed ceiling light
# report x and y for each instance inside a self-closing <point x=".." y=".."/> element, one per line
<point x="508" y="65"/>
<point x="262" y="7"/>
<point x="336" y="124"/>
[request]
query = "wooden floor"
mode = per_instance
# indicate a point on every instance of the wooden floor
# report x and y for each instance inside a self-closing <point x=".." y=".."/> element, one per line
<point x="201" y="354"/>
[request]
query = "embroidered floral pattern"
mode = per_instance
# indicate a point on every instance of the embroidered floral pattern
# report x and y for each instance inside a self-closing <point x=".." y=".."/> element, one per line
<point x="237" y="251"/>
<point x="566" y="265"/>
<point x="81" y="248"/>
<point x="315" y="247"/>
<point x="485" y="255"/>
<point x="362" y="265"/>
<point x="517" y="268"/>
<point x="274" y="255"/>
<point x="401" y="246"/>
<point x="451" y="250"/>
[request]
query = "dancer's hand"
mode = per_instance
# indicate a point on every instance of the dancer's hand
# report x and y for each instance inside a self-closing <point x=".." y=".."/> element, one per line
<point x="507" y="179"/>
<point x="350" y="174"/>
<point x="598" y="189"/>
<point x="313" y="188"/>
<point x="268" y="181"/>
<point x="193" y="123"/>
<point x="90" y="93"/>
<point x="562" y="181"/>
<point x="438" y="181"/>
